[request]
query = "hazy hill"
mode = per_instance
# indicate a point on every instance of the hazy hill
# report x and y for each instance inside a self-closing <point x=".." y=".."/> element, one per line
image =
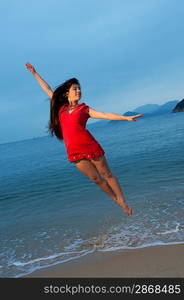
<point x="150" y="109"/>
<point x="131" y="113"/>
<point x="153" y="109"/>
<point x="147" y="108"/>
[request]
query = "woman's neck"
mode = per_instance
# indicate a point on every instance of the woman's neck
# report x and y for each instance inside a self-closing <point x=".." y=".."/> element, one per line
<point x="72" y="103"/>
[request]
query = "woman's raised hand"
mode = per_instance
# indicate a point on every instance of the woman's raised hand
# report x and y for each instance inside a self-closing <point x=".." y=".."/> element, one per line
<point x="44" y="85"/>
<point x="133" y="118"/>
<point x="30" y="68"/>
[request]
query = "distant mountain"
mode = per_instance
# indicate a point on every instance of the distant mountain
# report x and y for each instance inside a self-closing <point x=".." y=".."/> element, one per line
<point x="131" y="113"/>
<point x="152" y="109"/>
<point x="147" y="108"/>
<point x="156" y="108"/>
<point x="168" y="106"/>
<point x="179" y="107"/>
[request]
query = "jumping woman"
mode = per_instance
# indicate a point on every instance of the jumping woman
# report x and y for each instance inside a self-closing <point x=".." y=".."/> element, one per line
<point x="67" y="122"/>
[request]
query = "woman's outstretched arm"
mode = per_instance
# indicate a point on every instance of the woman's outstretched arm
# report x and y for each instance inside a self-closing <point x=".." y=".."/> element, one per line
<point x="44" y="85"/>
<point x="111" y="116"/>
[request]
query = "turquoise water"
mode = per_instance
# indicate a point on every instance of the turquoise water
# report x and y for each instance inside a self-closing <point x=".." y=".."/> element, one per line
<point x="51" y="213"/>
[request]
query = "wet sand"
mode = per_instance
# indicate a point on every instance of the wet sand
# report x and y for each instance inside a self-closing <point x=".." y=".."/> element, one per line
<point x="154" y="261"/>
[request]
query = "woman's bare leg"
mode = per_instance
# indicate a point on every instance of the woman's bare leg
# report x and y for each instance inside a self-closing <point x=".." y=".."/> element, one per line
<point x="88" y="169"/>
<point x="103" y="168"/>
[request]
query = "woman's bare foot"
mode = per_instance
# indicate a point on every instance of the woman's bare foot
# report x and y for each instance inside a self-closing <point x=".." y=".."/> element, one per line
<point x="126" y="208"/>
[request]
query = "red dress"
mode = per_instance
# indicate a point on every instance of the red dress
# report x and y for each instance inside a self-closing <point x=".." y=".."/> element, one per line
<point x="78" y="141"/>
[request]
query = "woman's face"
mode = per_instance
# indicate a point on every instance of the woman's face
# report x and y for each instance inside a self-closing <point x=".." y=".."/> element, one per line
<point x="74" y="93"/>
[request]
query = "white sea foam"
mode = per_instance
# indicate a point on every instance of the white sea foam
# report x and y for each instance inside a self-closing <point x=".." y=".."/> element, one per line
<point x="51" y="257"/>
<point x="156" y="243"/>
<point x="176" y="229"/>
<point x="36" y="267"/>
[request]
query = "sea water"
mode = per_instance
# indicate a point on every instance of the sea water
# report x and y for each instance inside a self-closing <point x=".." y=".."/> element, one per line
<point x="51" y="213"/>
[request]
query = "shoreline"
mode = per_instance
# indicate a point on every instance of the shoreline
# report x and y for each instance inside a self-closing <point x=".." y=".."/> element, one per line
<point x="153" y="261"/>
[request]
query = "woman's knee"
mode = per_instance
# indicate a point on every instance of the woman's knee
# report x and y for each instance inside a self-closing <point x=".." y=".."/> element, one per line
<point x="96" y="179"/>
<point x="107" y="174"/>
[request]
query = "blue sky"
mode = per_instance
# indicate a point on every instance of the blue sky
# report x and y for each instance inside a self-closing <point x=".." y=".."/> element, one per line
<point x="125" y="53"/>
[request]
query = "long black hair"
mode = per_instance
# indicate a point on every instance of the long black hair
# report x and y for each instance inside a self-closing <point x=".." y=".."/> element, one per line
<point x="59" y="98"/>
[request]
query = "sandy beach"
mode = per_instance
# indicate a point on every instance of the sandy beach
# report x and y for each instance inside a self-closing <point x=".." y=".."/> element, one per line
<point x="154" y="261"/>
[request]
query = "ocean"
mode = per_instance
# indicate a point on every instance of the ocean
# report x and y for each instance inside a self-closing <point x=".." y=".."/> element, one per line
<point x="51" y="213"/>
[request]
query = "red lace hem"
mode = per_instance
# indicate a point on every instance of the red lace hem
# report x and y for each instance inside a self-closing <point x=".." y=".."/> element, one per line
<point x="88" y="156"/>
